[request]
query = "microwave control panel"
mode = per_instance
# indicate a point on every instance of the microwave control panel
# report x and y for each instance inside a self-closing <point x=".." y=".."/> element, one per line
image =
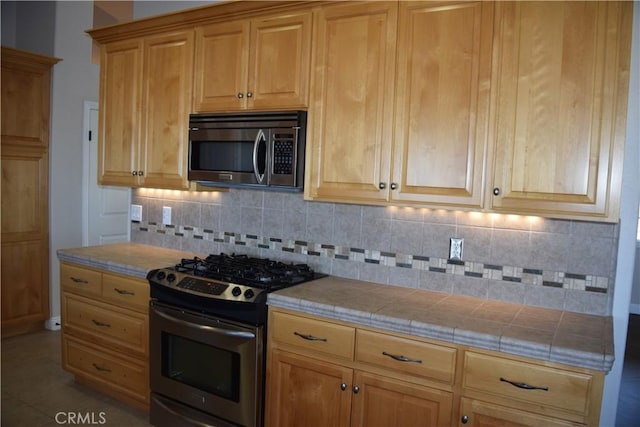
<point x="283" y="156"/>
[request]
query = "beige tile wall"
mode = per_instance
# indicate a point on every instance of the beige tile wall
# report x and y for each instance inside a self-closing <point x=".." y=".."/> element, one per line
<point x="555" y="263"/>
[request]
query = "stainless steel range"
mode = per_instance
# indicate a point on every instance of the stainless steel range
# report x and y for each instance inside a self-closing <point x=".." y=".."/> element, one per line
<point x="207" y="330"/>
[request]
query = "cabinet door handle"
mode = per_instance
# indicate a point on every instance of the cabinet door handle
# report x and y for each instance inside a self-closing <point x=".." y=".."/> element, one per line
<point x="134" y="173"/>
<point x="76" y="280"/>
<point x="101" y="368"/>
<point x="496" y="191"/>
<point x="309" y="337"/>
<point x="140" y="173"/>
<point x="464" y="419"/>
<point x="401" y="358"/>
<point x="343" y="386"/>
<point x="249" y="94"/>
<point x="240" y="95"/>
<point x="394" y="186"/>
<point x="124" y="291"/>
<point x="356" y="389"/>
<point x="524" y="385"/>
<point x="99" y="323"/>
<point x="382" y="185"/>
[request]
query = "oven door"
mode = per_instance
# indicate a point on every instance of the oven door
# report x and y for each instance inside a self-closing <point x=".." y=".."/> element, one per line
<point x="206" y="363"/>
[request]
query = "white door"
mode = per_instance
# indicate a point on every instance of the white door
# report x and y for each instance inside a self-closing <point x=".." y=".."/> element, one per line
<point x="106" y="209"/>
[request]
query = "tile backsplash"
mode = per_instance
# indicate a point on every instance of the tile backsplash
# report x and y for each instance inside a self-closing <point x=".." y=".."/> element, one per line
<point x="550" y="263"/>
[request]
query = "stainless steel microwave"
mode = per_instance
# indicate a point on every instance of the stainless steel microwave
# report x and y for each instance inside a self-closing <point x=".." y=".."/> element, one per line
<point x="260" y="150"/>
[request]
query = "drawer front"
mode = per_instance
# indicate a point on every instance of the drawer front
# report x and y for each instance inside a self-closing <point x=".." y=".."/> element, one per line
<point x="105" y="324"/>
<point x="319" y="336"/>
<point x="126" y="292"/>
<point x="564" y="389"/>
<point x="80" y="280"/>
<point x="127" y="376"/>
<point x="406" y="356"/>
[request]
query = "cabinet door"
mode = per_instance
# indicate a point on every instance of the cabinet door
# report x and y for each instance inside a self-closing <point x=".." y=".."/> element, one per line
<point x="386" y="402"/>
<point x="307" y="392"/>
<point x="476" y="413"/>
<point x="221" y="65"/>
<point x="119" y="124"/>
<point x="561" y="99"/>
<point x="351" y="110"/>
<point x="279" y="62"/>
<point x="442" y="104"/>
<point x="166" y="97"/>
<point x="25" y="236"/>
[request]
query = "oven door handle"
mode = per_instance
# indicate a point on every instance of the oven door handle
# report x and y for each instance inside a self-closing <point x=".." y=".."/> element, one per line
<point x="207" y="328"/>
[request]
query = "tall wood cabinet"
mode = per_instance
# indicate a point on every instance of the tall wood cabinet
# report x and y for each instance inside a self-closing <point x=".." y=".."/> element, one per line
<point x="145" y="100"/>
<point x="259" y="63"/>
<point x="561" y="81"/>
<point x="26" y="88"/>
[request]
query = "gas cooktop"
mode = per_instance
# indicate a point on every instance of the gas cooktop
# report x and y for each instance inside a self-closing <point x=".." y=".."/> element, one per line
<point x="234" y="278"/>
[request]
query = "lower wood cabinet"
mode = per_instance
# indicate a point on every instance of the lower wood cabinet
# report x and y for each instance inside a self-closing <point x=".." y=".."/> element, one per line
<point x="323" y="372"/>
<point x="331" y="385"/>
<point x="105" y="332"/>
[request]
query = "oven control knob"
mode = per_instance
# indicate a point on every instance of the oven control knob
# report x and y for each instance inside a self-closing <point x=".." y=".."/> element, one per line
<point x="236" y="291"/>
<point x="249" y="294"/>
<point x="171" y="277"/>
<point x="161" y="275"/>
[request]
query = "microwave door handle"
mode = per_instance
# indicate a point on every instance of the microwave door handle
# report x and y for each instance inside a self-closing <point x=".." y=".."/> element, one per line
<point x="260" y="137"/>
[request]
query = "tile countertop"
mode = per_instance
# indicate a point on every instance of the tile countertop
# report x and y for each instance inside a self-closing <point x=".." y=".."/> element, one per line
<point x="132" y="259"/>
<point x="574" y="339"/>
<point x="559" y="336"/>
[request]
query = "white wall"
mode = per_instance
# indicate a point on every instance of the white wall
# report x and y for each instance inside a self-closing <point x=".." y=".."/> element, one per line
<point x="143" y="9"/>
<point x="628" y="226"/>
<point x="8" y="14"/>
<point x="75" y="80"/>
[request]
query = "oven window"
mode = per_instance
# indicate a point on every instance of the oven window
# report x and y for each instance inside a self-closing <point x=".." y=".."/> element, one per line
<point x="202" y="366"/>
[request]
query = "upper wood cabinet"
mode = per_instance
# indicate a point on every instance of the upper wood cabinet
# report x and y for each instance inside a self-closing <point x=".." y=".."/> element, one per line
<point x="561" y="82"/>
<point x="145" y="99"/>
<point x="350" y="124"/>
<point x="442" y="102"/>
<point x="260" y="63"/>
<point x="418" y="136"/>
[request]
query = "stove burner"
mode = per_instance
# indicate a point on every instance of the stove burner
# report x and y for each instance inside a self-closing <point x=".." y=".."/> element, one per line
<point x="245" y="270"/>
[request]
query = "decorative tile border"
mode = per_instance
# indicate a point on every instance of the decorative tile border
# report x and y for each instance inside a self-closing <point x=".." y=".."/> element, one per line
<point x="527" y="276"/>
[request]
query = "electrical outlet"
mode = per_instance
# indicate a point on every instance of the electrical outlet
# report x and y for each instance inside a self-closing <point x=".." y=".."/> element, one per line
<point x="455" y="249"/>
<point x="136" y="212"/>
<point x="166" y="215"/>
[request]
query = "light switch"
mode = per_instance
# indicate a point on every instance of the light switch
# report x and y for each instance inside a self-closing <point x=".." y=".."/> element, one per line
<point x="166" y="215"/>
<point x="136" y="212"/>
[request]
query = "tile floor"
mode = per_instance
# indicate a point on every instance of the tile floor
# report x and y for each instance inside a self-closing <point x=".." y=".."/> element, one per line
<point x="35" y="388"/>
<point x="36" y="391"/>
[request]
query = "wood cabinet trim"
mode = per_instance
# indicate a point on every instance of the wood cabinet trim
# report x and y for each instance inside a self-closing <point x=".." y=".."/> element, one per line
<point x="187" y="19"/>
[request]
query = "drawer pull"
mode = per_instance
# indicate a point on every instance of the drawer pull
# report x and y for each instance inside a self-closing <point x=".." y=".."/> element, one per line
<point x="124" y="291"/>
<point x="309" y="337"/>
<point x="524" y="385"/>
<point x="76" y="280"/>
<point x="99" y="323"/>
<point x="401" y="358"/>
<point x="101" y="368"/>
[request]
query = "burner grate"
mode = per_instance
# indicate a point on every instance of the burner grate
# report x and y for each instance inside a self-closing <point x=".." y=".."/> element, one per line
<point x="246" y="270"/>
